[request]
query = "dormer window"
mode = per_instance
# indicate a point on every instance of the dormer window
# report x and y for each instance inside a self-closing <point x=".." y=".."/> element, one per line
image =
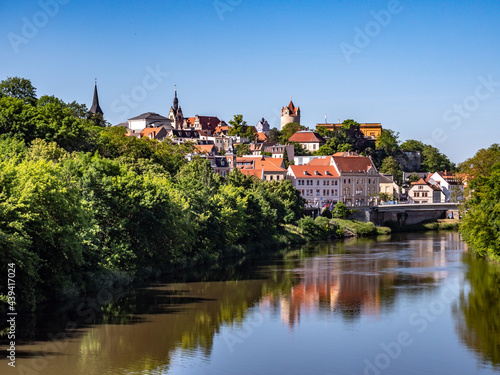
<point x="316" y="173"/>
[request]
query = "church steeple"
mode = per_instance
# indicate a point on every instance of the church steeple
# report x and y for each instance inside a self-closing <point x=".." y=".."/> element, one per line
<point x="96" y="108"/>
<point x="176" y="101"/>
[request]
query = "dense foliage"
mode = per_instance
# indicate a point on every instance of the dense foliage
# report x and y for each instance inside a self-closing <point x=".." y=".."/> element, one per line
<point x="481" y="223"/>
<point x="78" y="200"/>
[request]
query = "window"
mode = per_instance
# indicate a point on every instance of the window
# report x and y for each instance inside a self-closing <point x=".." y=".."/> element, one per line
<point x="317" y="192"/>
<point x="361" y="180"/>
<point x="416" y="194"/>
<point x="359" y="191"/>
<point x="369" y="180"/>
<point x="349" y="180"/>
<point x="314" y="146"/>
<point x="344" y="180"/>
<point x="424" y="194"/>
<point x="357" y="181"/>
<point x="317" y="182"/>
<point x="336" y="182"/>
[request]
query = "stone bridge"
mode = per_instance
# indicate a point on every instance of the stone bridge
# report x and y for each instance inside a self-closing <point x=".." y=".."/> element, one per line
<point x="405" y="214"/>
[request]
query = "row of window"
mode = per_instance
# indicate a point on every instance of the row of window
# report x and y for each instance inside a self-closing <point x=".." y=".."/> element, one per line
<point x="326" y="192"/>
<point x="360" y="181"/>
<point x="417" y="194"/>
<point x="311" y="182"/>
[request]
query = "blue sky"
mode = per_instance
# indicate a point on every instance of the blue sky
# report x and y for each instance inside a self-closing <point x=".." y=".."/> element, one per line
<point x="428" y="70"/>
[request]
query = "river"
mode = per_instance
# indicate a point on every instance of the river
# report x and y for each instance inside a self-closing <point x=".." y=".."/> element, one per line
<point x="401" y="304"/>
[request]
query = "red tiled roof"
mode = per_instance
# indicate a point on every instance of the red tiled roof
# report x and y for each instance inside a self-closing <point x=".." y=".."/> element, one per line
<point x="262" y="137"/>
<point x="313" y="171"/>
<point x="292" y="108"/>
<point x="221" y="129"/>
<point x="321" y="161"/>
<point x="353" y="163"/>
<point x="146" y="132"/>
<point x="204" y="149"/>
<point x="190" y="121"/>
<point x="208" y="122"/>
<point x="252" y="172"/>
<point x="419" y="182"/>
<point x="306" y="136"/>
<point x="247" y="159"/>
<point x="276" y="161"/>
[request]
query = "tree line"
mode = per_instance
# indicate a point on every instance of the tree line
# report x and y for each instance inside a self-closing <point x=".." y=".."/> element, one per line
<point x="79" y="201"/>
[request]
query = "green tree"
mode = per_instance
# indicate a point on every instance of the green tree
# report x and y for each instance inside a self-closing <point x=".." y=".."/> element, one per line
<point x="391" y="166"/>
<point x="19" y="88"/>
<point x="481" y="220"/>
<point x="482" y="163"/>
<point x="340" y="210"/>
<point x="299" y="150"/>
<point x="288" y="130"/>
<point x="240" y="128"/>
<point x="388" y="142"/>
<point x="412" y="145"/>
<point x="242" y="149"/>
<point x="274" y="135"/>
<point x="435" y="161"/>
<point x="413" y="178"/>
<point x="285" y="159"/>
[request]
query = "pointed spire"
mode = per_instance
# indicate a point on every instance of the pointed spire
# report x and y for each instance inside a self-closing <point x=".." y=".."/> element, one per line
<point x="96" y="108"/>
<point x="176" y="100"/>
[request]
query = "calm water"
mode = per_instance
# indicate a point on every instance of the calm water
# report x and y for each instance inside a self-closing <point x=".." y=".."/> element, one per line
<point x="409" y="304"/>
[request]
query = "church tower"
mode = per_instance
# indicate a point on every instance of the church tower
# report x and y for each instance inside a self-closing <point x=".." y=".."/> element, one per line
<point x="175" y="115"/>
<point x="96" y="108"/>
<point x="289" y="114"/>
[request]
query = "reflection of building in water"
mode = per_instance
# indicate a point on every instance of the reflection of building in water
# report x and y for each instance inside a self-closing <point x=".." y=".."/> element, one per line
<point x="366" y="281"/>
<point x="325" y="287"/>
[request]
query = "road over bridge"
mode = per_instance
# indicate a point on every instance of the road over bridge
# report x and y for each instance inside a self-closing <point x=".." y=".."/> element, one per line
<point x="406" y="214"/>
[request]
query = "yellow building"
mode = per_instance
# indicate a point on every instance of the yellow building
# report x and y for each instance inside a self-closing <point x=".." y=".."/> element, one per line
<point x="370" y="130"/>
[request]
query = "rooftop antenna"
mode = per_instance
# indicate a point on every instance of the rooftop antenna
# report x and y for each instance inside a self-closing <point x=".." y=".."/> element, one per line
<point x="326" y="122"/>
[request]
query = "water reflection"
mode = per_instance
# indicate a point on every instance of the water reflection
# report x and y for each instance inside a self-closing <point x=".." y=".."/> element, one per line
<point x="355" y="279"/>
<point x="478" y="313"/>
<point x="153" y="329"/>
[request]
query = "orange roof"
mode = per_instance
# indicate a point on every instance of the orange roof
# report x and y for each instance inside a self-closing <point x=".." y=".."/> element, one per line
<point x="204" y="149"/>
<point x="268" y="166"/>
<point x="352" y="163"/>
<point x="306" y="136"/>
<point x="276" y="161"/>
<point x="262" y="137"/>
<point x="292" y="108"/>
<point x="147" y="131"/>
<point x="314" y="171"/>
<point x="321" y="161"/>
<point x="247" y="159"/>
<point x="419" y="182"/>
<point x="252" y="172"/>
<point x="190" y="120"/>
<point x="220" y="129"/>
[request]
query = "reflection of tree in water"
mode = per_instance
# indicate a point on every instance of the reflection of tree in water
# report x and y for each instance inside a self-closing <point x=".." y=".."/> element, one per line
<point x="478" y="312"/>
